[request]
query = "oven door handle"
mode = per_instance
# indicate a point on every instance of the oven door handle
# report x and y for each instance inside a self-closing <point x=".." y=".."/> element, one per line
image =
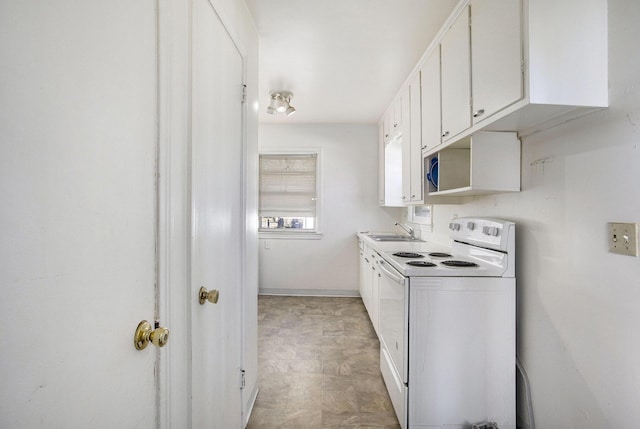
<point x="393" y="275"/>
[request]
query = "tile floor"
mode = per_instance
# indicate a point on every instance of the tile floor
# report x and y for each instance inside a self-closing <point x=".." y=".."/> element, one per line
<point x="318" y="366"/>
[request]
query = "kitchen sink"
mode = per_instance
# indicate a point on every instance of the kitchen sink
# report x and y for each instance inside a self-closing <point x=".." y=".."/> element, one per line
<point x="393" y="237"/>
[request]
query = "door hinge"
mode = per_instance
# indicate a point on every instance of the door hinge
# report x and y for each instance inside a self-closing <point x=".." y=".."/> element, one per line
<point x="242" y="379"/>
<point x="244" y="93"/>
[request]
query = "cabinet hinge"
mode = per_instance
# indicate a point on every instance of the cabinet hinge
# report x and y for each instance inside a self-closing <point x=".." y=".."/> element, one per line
<point x="244" y="93"/>
<point x="522" y="66"/>
<point x="242" y="379"/>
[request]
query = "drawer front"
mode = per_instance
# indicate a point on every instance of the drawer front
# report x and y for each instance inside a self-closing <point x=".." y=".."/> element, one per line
<point x="396" y="388"/>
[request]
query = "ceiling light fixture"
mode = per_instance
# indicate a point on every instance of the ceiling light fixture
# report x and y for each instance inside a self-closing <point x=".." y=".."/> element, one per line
<point x="281" y="103"/>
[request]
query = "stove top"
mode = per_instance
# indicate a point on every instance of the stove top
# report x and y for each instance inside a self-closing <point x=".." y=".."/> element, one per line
<point x="482" y="263"/>
<point x="481" y="247"/>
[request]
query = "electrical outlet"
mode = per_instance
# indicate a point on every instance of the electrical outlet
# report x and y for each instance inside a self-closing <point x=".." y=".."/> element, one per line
<point x="623" y="238"/>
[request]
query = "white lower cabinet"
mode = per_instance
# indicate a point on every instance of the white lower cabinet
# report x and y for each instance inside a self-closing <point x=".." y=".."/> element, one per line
<point x="483" y="163"/>
<point x="369" y="282"/>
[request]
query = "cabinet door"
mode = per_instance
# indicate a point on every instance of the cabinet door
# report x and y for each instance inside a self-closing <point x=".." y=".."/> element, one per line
<point x="375" y="298"/>
<point x="381" y="164"/>
<point x="430" y="84"/>
<point x="456" y="78"/>
<point x="365" y="278"/>
<point x="406" y="146"/>
<point x="496" y="56"/>
<point x="415" y="129"/>
<point x="397" y="115"/>
<point x="388" y="124"/>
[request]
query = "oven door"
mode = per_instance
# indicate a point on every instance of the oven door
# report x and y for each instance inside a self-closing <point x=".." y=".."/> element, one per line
<point x="393" y="322"/>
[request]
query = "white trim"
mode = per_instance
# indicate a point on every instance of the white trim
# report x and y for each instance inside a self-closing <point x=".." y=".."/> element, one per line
<point x="174" y="73"/>
<point x="329" y="293"/>
<point x="422" y="220"/>
<point x="251" y="402"/>
<point x="287" y="235"/>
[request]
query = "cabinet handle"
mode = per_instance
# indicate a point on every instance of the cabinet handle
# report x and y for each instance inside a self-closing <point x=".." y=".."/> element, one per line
<point x="446" y="133"/>
<point x="413" y="196"/>
<point x="386" y="135"/>
<point x="395" y="125"/>
<point x="404" y="198"/>
<point x="478" y="113"/>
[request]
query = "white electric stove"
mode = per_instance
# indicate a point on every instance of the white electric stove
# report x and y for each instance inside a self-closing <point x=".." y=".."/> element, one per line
<point x="447" y="328"/>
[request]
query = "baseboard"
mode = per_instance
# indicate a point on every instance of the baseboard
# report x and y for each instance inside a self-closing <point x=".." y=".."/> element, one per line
<point x="252" y="402"/>
<point x="310" y="292"/>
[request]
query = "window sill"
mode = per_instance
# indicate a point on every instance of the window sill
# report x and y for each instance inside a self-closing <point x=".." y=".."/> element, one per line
<point x="285" y="235"/>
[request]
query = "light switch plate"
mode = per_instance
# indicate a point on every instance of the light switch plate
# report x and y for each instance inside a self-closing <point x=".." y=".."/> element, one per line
<point x="623" y="238"/>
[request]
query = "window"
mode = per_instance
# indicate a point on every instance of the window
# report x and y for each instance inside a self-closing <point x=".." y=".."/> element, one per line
<point x="288" y="192"/>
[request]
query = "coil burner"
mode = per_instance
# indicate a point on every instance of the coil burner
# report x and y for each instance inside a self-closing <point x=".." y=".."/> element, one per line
<point x="439" y="255"/>
<point x="408" y="255"/>
<point x="464" y="264"/>
<point x="421" y="264"/>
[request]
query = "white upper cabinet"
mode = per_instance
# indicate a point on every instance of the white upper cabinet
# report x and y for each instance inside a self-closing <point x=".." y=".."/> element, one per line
<point x="564" y="59"/>
<point x="496" y="56"/>
<point x="456" y="78"/>
<point x="512" y="67"/>
<point x="430" y="83"/>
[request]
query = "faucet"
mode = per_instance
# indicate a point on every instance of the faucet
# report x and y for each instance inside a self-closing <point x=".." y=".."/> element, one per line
<point x="407" y="228"/>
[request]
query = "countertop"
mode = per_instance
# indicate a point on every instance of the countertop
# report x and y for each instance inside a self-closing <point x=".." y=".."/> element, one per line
<point x="400" y="246"/>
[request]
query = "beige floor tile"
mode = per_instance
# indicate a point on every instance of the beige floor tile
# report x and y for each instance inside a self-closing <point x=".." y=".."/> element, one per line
<point x="318" y="366"/>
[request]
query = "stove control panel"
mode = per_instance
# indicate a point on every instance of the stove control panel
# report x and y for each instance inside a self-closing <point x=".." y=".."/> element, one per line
<point x="491" y="231"/>
<point x="485" y="232"/>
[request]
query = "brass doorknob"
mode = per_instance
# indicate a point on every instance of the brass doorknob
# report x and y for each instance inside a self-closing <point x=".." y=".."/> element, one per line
<point x="145" y="335"/>
<point x="208" y="295"/>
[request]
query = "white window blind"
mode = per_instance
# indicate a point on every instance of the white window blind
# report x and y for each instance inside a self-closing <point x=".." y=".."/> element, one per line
<point x="288" y="185"/>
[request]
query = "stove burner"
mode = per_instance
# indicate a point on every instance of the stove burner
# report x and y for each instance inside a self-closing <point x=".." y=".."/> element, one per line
<point x="459" y="264"/>
<point x="439" y="255"/>
<point x="421" y="264"/>
<point x="408" y="255"/>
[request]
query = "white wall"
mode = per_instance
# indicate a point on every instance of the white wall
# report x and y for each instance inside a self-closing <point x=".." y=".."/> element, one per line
<point x="349" y="203"/>
<point x="578" y="321"/>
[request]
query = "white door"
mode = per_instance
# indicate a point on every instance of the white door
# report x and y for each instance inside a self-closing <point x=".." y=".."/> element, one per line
<point x="217" y="221"/>
<point x="78" y="218"/>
